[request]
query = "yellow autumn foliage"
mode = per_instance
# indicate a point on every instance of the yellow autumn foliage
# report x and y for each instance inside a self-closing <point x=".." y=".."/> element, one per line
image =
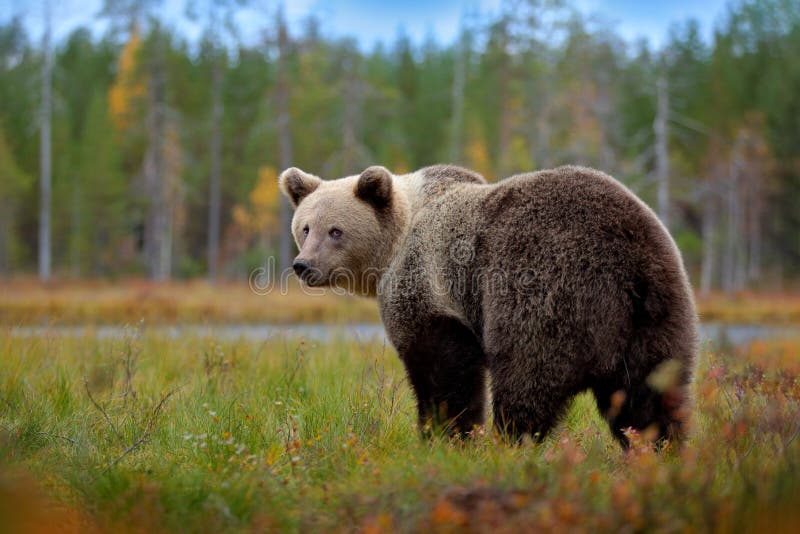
<point x="518" y="158"/>
<point x="477" y="157"/>
<point x="259" y="216"/>
<point x="130" y="85"/>
<point x="584" y="134"/>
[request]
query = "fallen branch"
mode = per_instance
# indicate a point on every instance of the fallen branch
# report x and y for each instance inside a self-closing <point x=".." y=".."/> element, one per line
<point x="65" y="438"/>
<point x="144" y="437"/>
<point x="48" y="434"/>
<point x="102" y="411"/>
<point x="791" y="439"/>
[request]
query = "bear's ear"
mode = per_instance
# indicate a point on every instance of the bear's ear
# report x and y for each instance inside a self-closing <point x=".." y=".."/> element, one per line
<point x="375" y="186"/>
<point x="297" y="185"/>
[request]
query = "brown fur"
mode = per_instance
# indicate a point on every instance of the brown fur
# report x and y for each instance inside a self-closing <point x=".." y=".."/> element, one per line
<point x="555" y="282"/>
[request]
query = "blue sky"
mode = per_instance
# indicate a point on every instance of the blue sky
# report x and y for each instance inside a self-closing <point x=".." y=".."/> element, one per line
<point x="372" y="21"/>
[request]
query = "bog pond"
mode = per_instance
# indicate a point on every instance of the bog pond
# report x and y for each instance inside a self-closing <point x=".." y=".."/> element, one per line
<point x="715" y="334"/>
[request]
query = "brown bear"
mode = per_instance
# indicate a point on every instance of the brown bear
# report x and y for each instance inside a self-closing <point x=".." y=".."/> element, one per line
<point x="554" y="282"/>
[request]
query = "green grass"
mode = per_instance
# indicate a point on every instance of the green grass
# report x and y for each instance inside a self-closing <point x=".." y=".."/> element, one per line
<point x="156" y="434"/>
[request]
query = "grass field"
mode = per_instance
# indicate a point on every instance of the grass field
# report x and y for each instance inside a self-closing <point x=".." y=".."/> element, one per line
<point x="25" y="301"/>
<point x="150" y="434"/>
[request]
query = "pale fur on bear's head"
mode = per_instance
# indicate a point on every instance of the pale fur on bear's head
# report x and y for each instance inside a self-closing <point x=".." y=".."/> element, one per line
<point x="346" y="229"/>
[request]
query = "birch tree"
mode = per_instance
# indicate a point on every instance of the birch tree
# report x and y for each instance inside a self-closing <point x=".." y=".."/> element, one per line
<point x="284" y="135"/>
<point x="219" y="24"/>
<point x="45" y="163"/>
<point x="459" y="82"/>
<point x="660" y="129"/>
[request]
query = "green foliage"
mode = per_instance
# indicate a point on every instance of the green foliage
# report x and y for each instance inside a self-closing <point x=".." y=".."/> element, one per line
<point x="100" y="195"/>
<point x="543" y="86"/>
<point x="14" y="186"/>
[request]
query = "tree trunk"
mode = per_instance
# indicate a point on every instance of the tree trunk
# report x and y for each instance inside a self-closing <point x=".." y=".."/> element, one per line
<point x="505" y="164"/>
<point x="215" y="177"/>
<point x="5" y="238"/>
<point x="740" y="218"/>
<point x="708" y="262"/>
<point x="730" y="237"/>
<point x="45" y="199"/>
<point x="754" y="241"/>
<point x="284" y="139"/>
<point x="732" y="269"/>
<point x="76" y="228"/>
<point x="662" y="150"/>
<point x="351" y="117"/>
<point x="157" y="240"/>
<point x="459" y="81"/>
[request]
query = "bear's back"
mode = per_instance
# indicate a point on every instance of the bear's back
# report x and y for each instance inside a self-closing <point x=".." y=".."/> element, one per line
<point x="587" y="262"/>
<point x="575" y="214"/>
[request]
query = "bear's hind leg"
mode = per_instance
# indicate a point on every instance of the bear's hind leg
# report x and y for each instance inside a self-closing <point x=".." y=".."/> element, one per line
<point x="447" y="370"/>
<point x="523" y="401"/>
<point x="659" y="415"/>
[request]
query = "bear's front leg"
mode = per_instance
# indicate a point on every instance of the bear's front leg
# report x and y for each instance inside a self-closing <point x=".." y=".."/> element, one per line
<point x="446" y="368"/>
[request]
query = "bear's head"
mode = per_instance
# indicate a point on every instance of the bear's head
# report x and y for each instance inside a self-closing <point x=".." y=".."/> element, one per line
<point x="346" y="229"/>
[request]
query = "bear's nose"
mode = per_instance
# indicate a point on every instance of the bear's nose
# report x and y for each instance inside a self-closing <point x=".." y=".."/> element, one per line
<point x="300" y="266"/>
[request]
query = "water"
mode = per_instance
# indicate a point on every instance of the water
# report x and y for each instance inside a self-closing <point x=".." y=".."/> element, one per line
<point x="228" y="332"/>
<point x="722" y="334"/>
<point x="718" y="334"/>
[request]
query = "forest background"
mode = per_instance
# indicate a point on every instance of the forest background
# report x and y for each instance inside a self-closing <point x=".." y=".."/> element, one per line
<point x="142" y="152"/>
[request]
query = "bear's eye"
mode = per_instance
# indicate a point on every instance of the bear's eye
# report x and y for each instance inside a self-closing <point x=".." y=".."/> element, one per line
<point x="305" y="230"/>
<point x="335" y="233"/>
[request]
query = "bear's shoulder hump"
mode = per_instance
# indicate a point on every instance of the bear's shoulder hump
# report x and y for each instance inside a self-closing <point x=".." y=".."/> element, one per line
<point x="438" y="176"/>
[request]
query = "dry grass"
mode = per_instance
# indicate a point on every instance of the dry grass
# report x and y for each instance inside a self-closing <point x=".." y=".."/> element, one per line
<point x="762" y="308"/>
<point x="26" y="301"/>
